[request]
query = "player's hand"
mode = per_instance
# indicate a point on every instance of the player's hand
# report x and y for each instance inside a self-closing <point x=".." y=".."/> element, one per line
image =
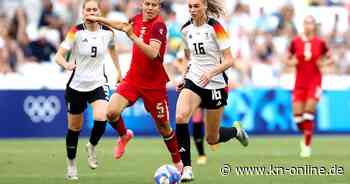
<point x="70" y="66"/>
<point x="180" y="85"/>
<point x="292" y="62"/>
<point x="204" y="79"/>
<point x="92" y="18"/>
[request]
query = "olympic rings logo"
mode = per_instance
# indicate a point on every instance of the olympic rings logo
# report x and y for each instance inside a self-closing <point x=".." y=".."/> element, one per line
<point x="41" y="108"/>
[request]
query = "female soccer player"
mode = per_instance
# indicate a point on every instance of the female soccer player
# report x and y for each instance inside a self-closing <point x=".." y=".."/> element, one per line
<point x="89" y="44"/>
<point x="146" y="78"/>
<point x="207" y="48"/>
<point x="305" y="53"/>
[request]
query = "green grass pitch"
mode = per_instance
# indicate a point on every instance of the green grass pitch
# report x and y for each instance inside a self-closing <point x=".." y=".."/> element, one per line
<point x="42" y="161"/>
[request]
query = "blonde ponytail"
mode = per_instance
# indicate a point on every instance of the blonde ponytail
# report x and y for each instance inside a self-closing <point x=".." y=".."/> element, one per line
<point x="215" y="7"/>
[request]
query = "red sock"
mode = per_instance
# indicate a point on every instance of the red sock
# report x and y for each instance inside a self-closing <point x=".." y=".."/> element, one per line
<point x="308" y="131"/>
<point x="171" y="144"/>
<point x="119" y="126"/>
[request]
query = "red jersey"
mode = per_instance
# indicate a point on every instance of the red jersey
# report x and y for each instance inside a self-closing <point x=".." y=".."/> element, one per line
<point x="308" y="53"/>
<point x="145" y="72"/>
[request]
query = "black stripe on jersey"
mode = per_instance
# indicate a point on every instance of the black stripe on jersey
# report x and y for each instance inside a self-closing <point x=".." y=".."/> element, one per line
<point x="71" y="76"/>
<point x="212" y="21"/>
<point x="186" y="24"/>
<point x="224" y="75"/>
<point x="104" y="27"/>
<point x="80" y="27"/>
<point x="104" y="74"/>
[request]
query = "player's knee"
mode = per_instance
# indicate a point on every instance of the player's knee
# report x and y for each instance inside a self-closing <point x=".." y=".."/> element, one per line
<point x="181" y="118"/>
<point x="75" y="127"/>
<point x="100" y="116"/>
<point x="212" y="140"/>
<point x="164" y="130"/>
<point x="113" y="115"/>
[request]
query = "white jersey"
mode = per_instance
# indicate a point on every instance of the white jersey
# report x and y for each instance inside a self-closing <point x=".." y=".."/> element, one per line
<point x="89" y="51"/>
<point x="206" y="43"/>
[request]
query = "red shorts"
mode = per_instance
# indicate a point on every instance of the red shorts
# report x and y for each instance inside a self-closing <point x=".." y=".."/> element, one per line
<point x="303" y="94"/>
<point x="155" y="100"/>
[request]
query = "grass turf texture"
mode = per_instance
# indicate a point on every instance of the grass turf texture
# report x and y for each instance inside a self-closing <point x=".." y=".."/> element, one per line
<point x="43" y="161"/>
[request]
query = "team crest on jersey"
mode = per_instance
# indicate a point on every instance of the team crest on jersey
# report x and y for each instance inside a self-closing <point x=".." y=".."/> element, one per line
<point x="161" y="31"/>
<point x="190" y="36"/>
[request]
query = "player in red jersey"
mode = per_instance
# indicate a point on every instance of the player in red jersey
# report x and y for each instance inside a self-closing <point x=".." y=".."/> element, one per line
<point x="306" y="53"/>
<point x="146" y="78"/>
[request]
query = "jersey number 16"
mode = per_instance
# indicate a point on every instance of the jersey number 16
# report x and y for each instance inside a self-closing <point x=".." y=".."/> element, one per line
<point x="199" y="48"/>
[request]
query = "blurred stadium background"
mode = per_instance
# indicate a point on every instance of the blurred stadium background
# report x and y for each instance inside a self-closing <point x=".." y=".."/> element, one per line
<point x="32" y="87"/>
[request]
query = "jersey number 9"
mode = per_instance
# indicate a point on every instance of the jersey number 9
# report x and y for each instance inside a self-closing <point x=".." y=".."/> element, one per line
<point x="93" y="51"/>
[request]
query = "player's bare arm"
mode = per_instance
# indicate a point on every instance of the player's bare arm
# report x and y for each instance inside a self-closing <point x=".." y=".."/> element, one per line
<point x="290" y="60"/>
<point x="228" y="62"/>
<point x="116" y="24"/>
<point x="181" y="84"/>
<point x="114" y="55"/>
<point x="151" y="50"/>
<point x="60" y="59"/>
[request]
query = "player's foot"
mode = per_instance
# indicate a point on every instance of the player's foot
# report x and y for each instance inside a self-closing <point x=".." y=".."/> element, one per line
<point x="202" y="160"/>
<point x="187" y="175"/>
<point x="72" y="171"/>
<point x="179" y="166"/>
<point x="91" y="151"/>
<point x="121" y="144"/>
<point x="242" y="135"/>
<point x="305" y="150"/>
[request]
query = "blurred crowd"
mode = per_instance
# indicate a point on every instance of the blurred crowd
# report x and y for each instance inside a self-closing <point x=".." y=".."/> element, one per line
<point x="260" y="31"/>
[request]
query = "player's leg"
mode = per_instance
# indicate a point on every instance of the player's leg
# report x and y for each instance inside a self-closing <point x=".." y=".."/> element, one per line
<point x="299" y="103"/>
<point x="313" y="95"/>
<point x="156" y="102"/>
<point x="298" y="109"/>
<point x="126" y="95"/>
<point x="198" y="136"/>
<point x="216" y="134"/>
<point x="76" y="104"/>
<point x="74" y="126"/>
<point x="187" y="102"/>
<point x="99" y="102"/>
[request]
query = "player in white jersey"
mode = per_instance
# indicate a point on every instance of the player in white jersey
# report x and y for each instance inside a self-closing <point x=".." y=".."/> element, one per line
<point x="89" y="44"/>
<point x="207" y="48"/>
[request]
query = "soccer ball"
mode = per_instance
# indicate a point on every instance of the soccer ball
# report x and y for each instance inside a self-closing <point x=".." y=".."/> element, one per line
<point x="167" y="174"/>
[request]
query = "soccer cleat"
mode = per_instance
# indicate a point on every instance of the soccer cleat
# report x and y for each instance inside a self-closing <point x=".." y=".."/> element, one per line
<point x="121" y="144"/>
<point x="72" y="171"/>
<point x="179" y="166"/>
<point x="242" y="135"/>
<point x="202" y="160"/>
<point x="91" y="151"/>
<point x="305" y="150"/>
<point x="187" y="175"/>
